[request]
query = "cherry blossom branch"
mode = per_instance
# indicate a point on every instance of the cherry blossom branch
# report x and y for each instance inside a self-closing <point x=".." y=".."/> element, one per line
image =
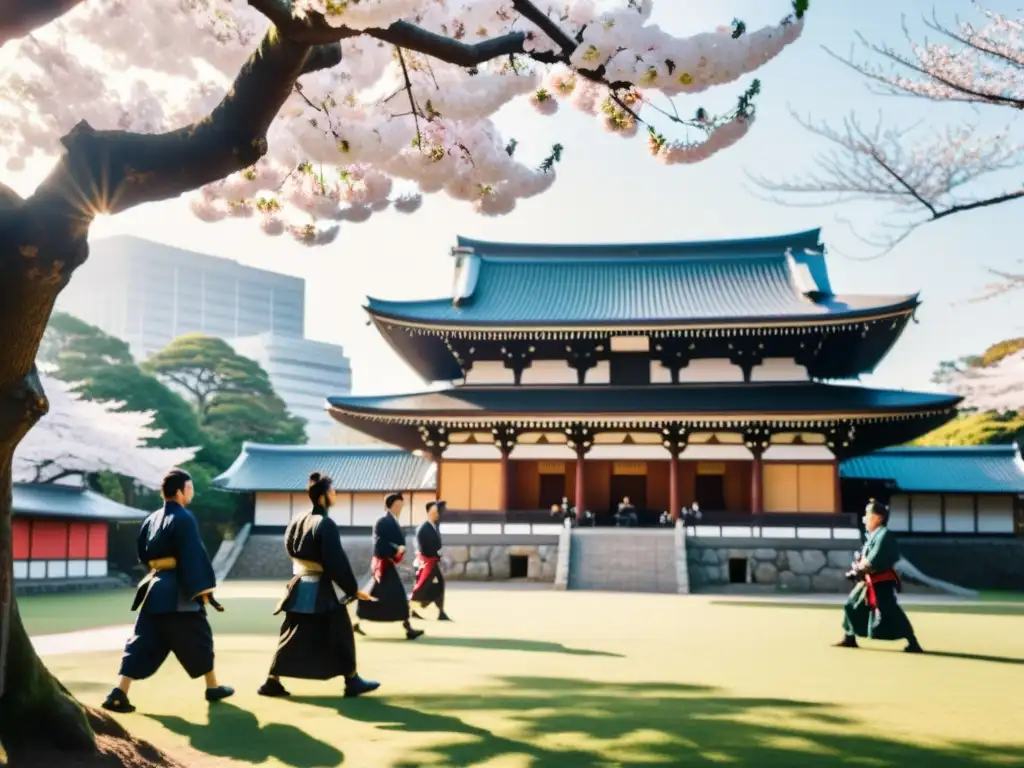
<point x="923" y="185"/>
<point x="111" y="171"/>
<point x="19" y="17"/>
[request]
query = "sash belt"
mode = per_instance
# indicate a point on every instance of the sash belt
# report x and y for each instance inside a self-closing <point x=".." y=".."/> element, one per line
<point x="871" y="579"/>
<point x="306" y="567"/>
<point x="163" y="564"/>
<point x="426" y="566"/>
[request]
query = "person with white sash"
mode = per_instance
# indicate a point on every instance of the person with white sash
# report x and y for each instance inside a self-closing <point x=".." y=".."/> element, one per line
<point x="316" y="640"/>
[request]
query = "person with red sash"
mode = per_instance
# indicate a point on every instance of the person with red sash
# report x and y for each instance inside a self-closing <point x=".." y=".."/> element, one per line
<point x="389" y="601"/>
<point x="872" y="609"/>
<point x="429" y="579"/>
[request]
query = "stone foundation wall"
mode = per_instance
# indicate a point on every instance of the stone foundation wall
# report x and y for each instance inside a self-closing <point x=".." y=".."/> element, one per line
<point x="491" y="562"/>
<point x="972" y="562"/>
<point x="793" y="567"/>
<point x="263" y="557"/>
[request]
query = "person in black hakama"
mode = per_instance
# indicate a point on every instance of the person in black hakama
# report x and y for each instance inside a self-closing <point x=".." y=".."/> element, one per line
<point x="872" y="609"/>
<point x="390" y="603"/>
<point x="171" y="599"/>
<point x="316" y="641"/>
<point x="429" y="579"/>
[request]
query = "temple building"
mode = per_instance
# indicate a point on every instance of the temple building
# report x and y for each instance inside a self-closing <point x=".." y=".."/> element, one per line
<point x="61" y="534"/>
<point x="669" y="374"/>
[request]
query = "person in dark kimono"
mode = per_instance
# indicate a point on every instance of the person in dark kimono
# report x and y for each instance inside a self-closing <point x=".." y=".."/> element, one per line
<point x="429" y="579"/>
<point x="316" y="641"/>
<point x="390" y="602"/>
<point x="872" y="609"/>
<point x="171" y="599"/>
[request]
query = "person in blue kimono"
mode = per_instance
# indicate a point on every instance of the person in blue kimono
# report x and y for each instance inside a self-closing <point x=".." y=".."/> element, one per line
<point x="316" y="641"/>
<point x="171" y="599"/>
<point x="390" y="603"/>
<point x="872" y="609"/>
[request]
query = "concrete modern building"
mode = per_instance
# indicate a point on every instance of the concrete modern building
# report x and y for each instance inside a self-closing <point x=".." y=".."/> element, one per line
<point x="148" y="294"/>
<point x="301" y="371"/>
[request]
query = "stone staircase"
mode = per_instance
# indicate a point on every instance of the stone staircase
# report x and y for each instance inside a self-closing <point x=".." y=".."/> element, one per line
<point x="624" y="560"/>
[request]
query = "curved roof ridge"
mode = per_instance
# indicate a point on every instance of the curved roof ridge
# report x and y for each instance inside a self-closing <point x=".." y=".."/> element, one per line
<point x="277" y="448"/>
<point x="739" y="247"/>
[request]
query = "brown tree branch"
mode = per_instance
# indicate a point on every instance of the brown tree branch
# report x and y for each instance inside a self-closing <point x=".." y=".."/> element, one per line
<point x="20" y="17"/>
<point x="111" y="171"/>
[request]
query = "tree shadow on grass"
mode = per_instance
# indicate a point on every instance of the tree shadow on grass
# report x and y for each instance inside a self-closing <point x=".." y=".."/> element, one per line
<point x="962" y="656"/>
<point x="236" y="733"/>
<point x="585" y="724"/>
<point x="968" y="608"/>
<point x="505" y="644"/>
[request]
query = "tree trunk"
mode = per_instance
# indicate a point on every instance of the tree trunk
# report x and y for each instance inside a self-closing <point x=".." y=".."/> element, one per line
<point x="35" y="709"/>
<point x="38" y="251"/>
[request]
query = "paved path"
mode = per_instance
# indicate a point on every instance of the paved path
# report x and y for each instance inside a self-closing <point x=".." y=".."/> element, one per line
<point x="82" y="641"/>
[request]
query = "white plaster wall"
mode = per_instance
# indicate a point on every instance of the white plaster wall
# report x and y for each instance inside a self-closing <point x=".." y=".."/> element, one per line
<point x="710" y="370"/>
<point x="779" y="369"/>
<point x="995" y="514"/>
<point x="599" y="374"/>
<point x="959" y="509"/>
<point x="659" y="373"/>
<point x="716" y="453"/>
<point x="629" y="452"/>
<point x="367" y="507"/>
<point x="461" y="451"/>
<point x="274" y="509"/>
<point x="926" y="513"/>
<point x="549" y="372"/>
<point x="490" y="372"/>
<point x="545" y="452"/>
<point x="630" y="343"/>
<point x="899" y="515"/>
<point x="798" y="453"/>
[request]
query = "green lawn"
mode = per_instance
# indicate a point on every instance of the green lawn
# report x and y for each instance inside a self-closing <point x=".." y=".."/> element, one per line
<point x="557" y="680"/>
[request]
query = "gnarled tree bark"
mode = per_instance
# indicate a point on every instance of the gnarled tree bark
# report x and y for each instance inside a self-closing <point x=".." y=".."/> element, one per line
<point x="44" y="238"/>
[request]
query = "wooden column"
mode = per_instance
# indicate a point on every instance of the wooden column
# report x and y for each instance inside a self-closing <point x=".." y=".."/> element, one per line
<point x="674" y="438"/>
<point x="838" y="488"/>
<point x="503" y="498"/>
<point x="505" y="436"/>
<point x="674" y="503"/>
<point x="580" y="483"/>
<point x="757" y="484"/>
<point x="580" y="438"/>
<point x="757" y="439"/>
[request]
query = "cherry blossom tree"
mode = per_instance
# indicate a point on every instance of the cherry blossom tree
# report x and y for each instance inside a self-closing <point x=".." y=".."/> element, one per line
<point x="82" y="437"/>
<point x="927" y="174"/>
<point x="998" y="386"/>
<point x="300" y="115"/>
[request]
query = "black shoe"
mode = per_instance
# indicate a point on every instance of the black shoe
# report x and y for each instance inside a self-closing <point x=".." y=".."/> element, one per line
<point x="358" y="630"/>
<point x="356" y="686"/>
<point x="117" y="701"/>
<point x="443" y="617"/>
<point x="412" y="634"/>
<point x="416" y="615"/>
<point x="913" y="646"/>
<point x="219" y="693"/>
<point x="849" y="641"/>
<point x="273" y="688"/>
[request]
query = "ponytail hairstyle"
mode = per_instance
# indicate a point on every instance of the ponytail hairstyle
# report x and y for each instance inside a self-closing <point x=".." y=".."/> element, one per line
<point x="318" y="487"/>
<point x="876" y="507"/>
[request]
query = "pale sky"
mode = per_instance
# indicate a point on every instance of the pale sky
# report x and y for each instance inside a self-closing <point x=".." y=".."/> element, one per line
<point x="609" y="189"/>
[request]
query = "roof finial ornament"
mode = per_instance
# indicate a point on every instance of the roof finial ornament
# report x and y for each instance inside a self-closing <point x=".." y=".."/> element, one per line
<point x="467" y="270"/>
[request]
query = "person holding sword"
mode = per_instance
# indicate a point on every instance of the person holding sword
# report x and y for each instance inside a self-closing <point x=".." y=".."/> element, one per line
<point x="316" y="640"/>
<point x="171" y="599"/>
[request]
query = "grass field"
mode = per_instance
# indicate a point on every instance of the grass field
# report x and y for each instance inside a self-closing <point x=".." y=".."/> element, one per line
<point x="556" y="680"/>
